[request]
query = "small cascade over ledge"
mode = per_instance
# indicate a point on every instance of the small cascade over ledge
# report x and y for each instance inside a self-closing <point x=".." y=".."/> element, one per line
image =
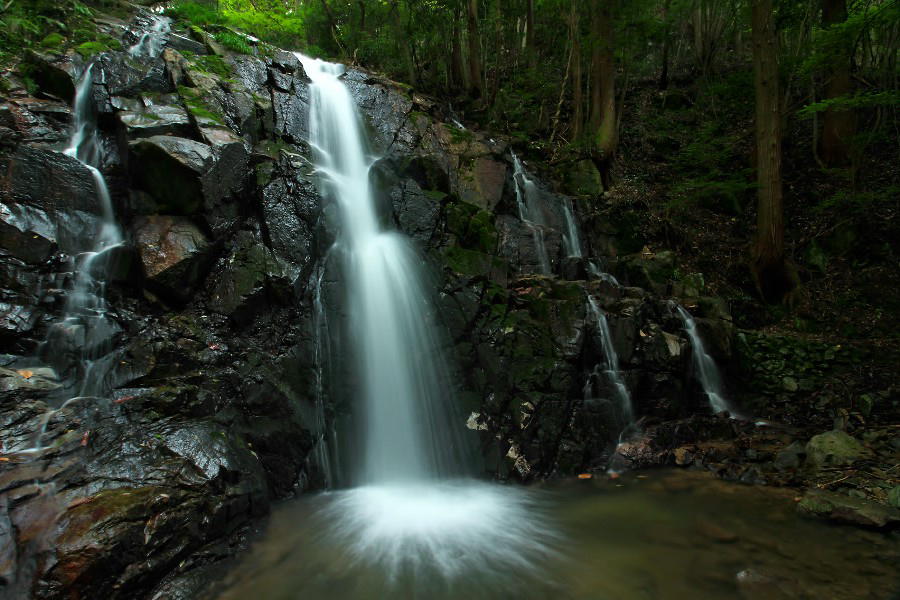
<point x="705" y="367"/>
<point x="622" y="397"/>
<point x="530" y="211"/>
<point x="77" y="345"/>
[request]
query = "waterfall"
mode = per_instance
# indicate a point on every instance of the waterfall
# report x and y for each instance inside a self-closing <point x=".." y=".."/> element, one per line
<point x="572" y="238"/>
<point x="613" y="374"/>
<point x="153" y="39"/>
<point x="408" y="422"/>
<point x="705" y="366"/>
<point x="82" y="338"/>
<point x="530" y="211"/>
<point x="408" y="516"/>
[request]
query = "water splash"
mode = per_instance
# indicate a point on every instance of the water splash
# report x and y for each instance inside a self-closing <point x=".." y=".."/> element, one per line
<point x="705" y="366"/>
<point x="452" y="529"/>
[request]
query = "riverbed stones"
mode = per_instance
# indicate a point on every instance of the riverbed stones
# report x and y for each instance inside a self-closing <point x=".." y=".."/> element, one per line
<point x="845" y="509"/>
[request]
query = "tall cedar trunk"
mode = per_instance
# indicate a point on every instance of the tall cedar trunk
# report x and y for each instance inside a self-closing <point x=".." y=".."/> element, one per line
<point x="663" y="83"/>
<point x="404" y="41"/>
<point x="577" y="76"/>
<point x="458" y="67"/>
<point x="529" y="32"/>
<point x="838" y="126"/>
<point x="603" y="88"/>
<point x="768" y="263"/>
<point x="476" y="84"/>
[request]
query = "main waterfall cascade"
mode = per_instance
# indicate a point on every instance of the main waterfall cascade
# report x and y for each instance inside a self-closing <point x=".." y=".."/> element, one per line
<point x="411" y="515"/>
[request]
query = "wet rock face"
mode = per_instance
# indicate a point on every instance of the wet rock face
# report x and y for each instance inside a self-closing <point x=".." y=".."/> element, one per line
<point x="49" y="199"/>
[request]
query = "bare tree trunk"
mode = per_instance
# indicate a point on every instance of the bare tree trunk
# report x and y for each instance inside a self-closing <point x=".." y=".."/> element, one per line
<point x="838" y="126"/>
<point x="770" y="271"/>
<point x="404" y="41"/>
<point x="457" y="66"/>
<point x="663" y="83"/>
<point x="603" y="89"/>
<point x="529" y="32"/>
<point x="577" y="76"/>
<point x="476" y="84"/>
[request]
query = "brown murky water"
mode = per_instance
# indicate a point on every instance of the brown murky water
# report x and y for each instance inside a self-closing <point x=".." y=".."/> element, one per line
<point x="667" y="535"/>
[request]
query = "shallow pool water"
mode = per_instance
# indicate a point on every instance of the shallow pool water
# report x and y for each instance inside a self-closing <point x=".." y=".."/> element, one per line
<point x="664" y="535"/>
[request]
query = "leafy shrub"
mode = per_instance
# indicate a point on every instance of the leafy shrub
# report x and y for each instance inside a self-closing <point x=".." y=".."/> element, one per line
<point x="195" y="13"/>
<point x="234" y="42"/>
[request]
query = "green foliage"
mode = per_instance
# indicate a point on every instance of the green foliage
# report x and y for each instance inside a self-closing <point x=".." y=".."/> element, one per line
<point x="233" y="41"/>
<point x="859" y="100"/>
<point x="275" y="25"/>
<point x="855" y="201"/>
<point x="473" y="227"/>
<point x="777" y="364"/>
<point x="194" y="13"/>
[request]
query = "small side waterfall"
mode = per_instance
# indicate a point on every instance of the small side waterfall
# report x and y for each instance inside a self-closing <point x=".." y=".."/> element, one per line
<point x="530" y="212"/>
<point x="83" y="337"/>
<point x="152" y="40"/>
<point x="705" y="366"/>
<point x="612" y="371"/>
<point x="572" y="237"/>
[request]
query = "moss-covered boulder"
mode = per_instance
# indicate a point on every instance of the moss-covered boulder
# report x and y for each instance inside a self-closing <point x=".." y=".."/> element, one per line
<point x="832" y="449"/>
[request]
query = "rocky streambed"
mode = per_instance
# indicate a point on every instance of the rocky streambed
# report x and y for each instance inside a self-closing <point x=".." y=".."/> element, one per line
<point x="225" y="389"/>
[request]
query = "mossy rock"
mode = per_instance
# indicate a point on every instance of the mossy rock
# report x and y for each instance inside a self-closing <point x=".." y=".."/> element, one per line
<point x="832" y="449"/>
<point x="583" y="179"/>
<point x="473" y="227"/>
<point x="53" y="41"/>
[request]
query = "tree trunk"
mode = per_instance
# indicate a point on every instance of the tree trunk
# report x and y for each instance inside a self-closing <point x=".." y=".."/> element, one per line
<point x="529" y="32"/>
<point x="603" y="88"/>
<point x="476" y="85"/>
<point x="773" y="279"/>
<point x="457" y="66"/>
<point x="577" y="77"/>
<point x="404" y="41"/>
<point x="663" y="82"/>
<point x="838" y="126"/>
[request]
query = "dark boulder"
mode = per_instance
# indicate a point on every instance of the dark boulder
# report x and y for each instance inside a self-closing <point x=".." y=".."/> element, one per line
<point x="174" y="252"/>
